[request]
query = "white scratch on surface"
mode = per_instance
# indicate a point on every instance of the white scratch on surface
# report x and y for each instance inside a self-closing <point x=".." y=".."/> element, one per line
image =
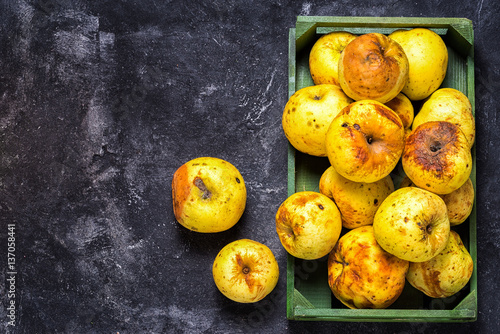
<point x="106" y="41"/>
<point x="74" y="45"/>
<point x="96" y="122"/>
<point x="189" y="321"/>
<point x="208" y="90"/>
<point x="306" y="8"/>
<point x="107" y="175"/>
<point x="137" y="244"/>
<point x="480" y="8"/>
<point x="255" y="116"/>
<point x="270" y="81"/>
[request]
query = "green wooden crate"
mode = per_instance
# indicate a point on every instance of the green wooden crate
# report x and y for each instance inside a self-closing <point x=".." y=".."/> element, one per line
<point x="308" y="294"/>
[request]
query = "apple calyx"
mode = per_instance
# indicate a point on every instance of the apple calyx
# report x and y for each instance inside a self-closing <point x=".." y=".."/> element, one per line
<point x="426" y="229"/>
<point x="245" y="265"/>
<point x="198" y="182"/>
<point x="434" y="147"/>
<point x="242" y="264"/>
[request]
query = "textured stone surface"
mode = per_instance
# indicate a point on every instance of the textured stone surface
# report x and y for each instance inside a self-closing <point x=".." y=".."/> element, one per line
<point x="101" y="102"/>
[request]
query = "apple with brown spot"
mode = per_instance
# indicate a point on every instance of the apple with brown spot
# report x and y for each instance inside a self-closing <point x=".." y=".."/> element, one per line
<point x="403" y="107"/>
<point x="365" y="141"/>
<point x="209" y="195"/>
<point x="373" y="67"/>
<point x="450" y="105"/>
<point x="245" y="271"/>
<point x="460" y="203"/>
<point x="357" y="201"/>
<point x="363" y="275"/>
<point x="308" y="224"/>
<point x="446" y="273"/>
<point x="437" y="157"/>
<point x="412" y="224"/>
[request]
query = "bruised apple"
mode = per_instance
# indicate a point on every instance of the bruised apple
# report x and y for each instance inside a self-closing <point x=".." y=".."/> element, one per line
<point x="245" y="271"/>
<point x="412" y="224"/>
<point x="446" y="273"/>
<point x="428" y="60"/>
<point x="324" y="57"/>
<point x="373" y="67"/>
<point x="357" y="201"/>
<point x="403" y="107"/>
<point x="460" y="203"/>
<point x="364" y="141"/>
<point x="209" y="195"/>
<point x="308" y="114"/>
<point x="363" y="275"/>
<point x="437" y="157"/>
<point x="308" y="224"/>
<point x="450" y="105"/>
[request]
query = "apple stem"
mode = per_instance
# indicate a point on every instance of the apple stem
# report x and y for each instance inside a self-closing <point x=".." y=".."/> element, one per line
<point x="198" y="182"/>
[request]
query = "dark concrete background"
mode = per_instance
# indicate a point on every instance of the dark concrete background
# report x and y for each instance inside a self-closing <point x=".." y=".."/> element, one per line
<point x="101" y="101"/>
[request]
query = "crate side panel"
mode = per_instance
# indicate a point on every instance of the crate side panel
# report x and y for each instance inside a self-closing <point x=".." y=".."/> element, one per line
<point x="311" y="280"/>
<point x="365" y="30"/>
<point x="291" y="171"/>
<point x="456" y="73"/>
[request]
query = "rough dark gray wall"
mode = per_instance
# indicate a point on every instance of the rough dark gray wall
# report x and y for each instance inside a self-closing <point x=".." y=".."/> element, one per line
<point x="100" y="102"/>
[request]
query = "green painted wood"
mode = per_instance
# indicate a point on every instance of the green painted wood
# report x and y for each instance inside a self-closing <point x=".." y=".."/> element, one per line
<point x="469" y="302"/>
<point x="290" y="274"/>
<point x="348" y="315"/>
<point x="290" y="289"/>
<point x="305" y="25"/>
<point x="308" y="294"/>
<point x="301" y="301"/>
<point x="365" y="30"/>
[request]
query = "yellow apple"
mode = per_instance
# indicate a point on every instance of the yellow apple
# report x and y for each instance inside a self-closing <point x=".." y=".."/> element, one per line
<point x="209" y="195"/>
<point x="437" y="157"/>
<point x="364" y="141"/>
<point x="357" y="201"/>
<point x="402" y="106"/>
<point x="308" y="225"/>
<point x="449" y="105"/>
<point x="428" y="61"/>
<point x="308" y="114"/>
<point x="412" y="224"/>
<point x="373" y="67"/>
<point x="245" y="271"/>
<point x="363" y="275"/>
<point x="324" y="57"/>
<point x="460" y="203"/>
<point x="446" y="273"/>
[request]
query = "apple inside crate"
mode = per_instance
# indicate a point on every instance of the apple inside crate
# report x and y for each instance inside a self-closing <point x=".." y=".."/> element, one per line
<point x="308" y="294"/>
